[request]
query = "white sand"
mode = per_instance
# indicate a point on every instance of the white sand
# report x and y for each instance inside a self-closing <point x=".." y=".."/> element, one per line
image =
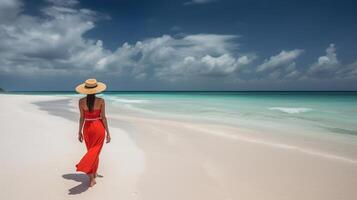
<point x="158" y="159"/>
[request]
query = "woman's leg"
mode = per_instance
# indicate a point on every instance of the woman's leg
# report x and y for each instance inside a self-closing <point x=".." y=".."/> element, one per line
<point x="91" y="180"/>
<point x="95" y="167"/>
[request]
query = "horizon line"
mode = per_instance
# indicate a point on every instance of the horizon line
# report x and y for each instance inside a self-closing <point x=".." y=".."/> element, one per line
<point x="9" y="91"/>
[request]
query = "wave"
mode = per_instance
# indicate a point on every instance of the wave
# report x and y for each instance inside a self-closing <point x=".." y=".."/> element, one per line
<point x="130" y="100"/>
<point x="291" y="110"/>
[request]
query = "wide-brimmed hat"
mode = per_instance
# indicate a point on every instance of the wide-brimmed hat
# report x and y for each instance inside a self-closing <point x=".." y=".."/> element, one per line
<point x="91" y="86"/>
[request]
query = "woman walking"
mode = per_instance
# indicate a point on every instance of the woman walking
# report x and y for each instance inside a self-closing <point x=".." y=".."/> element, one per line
<point x="92" y="126"/>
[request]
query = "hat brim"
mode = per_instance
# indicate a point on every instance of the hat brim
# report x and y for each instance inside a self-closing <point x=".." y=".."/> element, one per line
<point x="83" y="90"/>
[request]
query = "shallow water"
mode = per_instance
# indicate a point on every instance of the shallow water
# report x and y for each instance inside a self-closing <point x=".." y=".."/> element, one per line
<point x="322" y="112"/>
<point x="319" y="111"/>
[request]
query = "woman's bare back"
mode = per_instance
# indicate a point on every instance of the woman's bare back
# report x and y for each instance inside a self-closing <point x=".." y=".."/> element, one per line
<point x="98" y="103"/>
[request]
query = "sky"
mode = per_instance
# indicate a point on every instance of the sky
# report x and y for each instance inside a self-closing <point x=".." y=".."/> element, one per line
<point x="206" y="45"/>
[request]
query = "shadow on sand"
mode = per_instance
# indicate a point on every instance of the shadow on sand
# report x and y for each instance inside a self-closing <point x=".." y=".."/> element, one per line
<point x="82" y="178"/>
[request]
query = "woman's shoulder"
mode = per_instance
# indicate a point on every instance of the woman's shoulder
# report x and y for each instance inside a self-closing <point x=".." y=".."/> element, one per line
<point x="100" y="100"/>
<point x="82" y="99"/>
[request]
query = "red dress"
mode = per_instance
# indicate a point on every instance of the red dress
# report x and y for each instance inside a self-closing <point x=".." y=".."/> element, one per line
<point x="93" y="134"/>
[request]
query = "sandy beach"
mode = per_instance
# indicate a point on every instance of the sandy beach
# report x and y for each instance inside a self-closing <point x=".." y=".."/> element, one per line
<point x="153" y="158"/>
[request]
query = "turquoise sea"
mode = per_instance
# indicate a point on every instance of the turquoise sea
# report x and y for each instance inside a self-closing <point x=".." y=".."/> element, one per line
<point x="319" y="112"/>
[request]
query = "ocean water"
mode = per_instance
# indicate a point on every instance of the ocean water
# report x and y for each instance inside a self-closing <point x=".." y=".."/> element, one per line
<point x="323" y="112"/>
<point x="319" y="112"/>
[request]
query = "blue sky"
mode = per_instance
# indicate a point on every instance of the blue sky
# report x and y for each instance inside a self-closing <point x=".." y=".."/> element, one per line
<point x="179" y="45"/>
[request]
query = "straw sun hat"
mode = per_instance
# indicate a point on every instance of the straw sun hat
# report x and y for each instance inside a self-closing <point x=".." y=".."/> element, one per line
<point x="91" y="86"/>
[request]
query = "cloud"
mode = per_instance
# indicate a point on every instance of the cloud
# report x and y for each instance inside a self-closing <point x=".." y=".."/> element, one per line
<point x="176" y="58"/>
<point x="53" y="43"/>
<point x="326" y="65"/>
<point x="284" y="67"/>
<point x="345" y="72"/>
<point x="192" y="2"/>
<point x="9" y="10"/>
<point x="284" y="58"/>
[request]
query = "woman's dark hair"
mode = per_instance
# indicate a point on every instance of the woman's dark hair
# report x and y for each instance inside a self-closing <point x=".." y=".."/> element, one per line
<point x="90" y="101"/>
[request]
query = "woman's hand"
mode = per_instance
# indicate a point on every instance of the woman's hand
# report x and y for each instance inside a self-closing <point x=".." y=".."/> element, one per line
<point x="108" y="138"/>
<point x="80" y="137"/>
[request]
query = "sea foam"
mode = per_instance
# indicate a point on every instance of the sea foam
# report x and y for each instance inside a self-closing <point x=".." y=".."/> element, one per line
<point x="130" y="100"/>
<point x="291" y="110"/>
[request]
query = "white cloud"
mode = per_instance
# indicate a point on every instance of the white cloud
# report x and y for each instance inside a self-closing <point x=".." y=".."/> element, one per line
<point x="54" y="43"/>
<point x="329" y="67"/>
<point x="51" y="43"/>
<point x="171" y="58"/>
<point x="284" y="58"/>
<point x="327" y="63"/>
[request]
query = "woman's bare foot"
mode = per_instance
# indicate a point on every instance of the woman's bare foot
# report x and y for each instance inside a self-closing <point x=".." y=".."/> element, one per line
<point x="92" y="183"/>
<point x="92" y="180"/>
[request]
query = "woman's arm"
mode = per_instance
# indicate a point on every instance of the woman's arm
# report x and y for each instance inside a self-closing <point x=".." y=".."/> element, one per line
<point x="81" y="121"/>
<point x="104" y="119"/>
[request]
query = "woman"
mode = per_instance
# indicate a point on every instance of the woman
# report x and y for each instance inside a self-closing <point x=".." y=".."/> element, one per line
<point x="94" y="124"/>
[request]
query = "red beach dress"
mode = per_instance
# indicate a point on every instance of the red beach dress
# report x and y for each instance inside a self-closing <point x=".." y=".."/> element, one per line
<point x="93" y="135"/>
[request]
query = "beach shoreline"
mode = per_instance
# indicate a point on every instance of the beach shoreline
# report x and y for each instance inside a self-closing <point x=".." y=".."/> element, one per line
<point x="157" y="158"/>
